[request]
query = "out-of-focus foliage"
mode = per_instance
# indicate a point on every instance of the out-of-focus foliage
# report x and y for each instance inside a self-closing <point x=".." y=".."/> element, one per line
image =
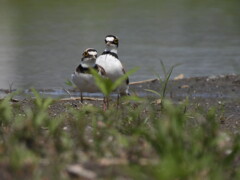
<point x="137" y="140"/>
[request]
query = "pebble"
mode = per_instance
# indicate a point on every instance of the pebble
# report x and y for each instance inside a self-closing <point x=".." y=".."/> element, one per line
<point x="78" y="171"/>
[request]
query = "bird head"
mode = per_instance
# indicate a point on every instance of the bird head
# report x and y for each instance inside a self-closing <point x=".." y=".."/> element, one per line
<point x="111" y="41"/>
<point x="89" y="56"/>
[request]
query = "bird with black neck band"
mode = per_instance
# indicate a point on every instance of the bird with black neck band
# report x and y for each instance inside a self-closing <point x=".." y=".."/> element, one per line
<point x="112" y="65"/>
<point x="82" y="76"/>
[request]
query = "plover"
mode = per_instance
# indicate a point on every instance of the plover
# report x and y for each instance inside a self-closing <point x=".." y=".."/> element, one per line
<point x="111" y="64"/>
<point x="82" y="77"/>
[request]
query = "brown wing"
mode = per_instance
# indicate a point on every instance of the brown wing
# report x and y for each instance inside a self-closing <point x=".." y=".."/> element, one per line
<point x="101" y="70"/>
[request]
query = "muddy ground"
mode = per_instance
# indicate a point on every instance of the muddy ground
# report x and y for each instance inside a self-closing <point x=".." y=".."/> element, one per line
<point x="221" y="92"/>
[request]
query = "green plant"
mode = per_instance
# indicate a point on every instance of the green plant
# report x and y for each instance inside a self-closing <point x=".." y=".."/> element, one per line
<point x="164" y="82"/>
<point x="106" y="85"/>
<point x="187" y="153"/>
<point x="136" y="141"/>
<point x="69" y="83"/>
<point x="5" y="111"/>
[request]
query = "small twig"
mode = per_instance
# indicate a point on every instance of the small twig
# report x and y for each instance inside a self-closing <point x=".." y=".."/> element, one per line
<point x="78" y="98"/>
<point x="10" y="87"/>
<point x="14" y="100"/>
<point x="67" y="92"/>
<point x="229" y="117"/>
<point x="144" y="81"/>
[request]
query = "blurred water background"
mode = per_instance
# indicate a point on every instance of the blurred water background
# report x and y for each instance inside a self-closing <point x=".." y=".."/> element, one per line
<point x="41" y="42"/>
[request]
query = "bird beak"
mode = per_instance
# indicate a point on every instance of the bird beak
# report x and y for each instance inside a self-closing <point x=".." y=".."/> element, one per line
<point x="108" y="43"/>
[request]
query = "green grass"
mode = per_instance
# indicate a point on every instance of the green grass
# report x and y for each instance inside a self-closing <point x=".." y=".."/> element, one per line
<point x="144" y="140"/>
<point x="135" y="139"/>
<point x="164" y="82"/>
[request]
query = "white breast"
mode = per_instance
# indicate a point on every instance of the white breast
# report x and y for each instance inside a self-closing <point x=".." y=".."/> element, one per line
<point x="111" y="65"/>
<point x="113" y="68"/>
<point x="85" y="82"/>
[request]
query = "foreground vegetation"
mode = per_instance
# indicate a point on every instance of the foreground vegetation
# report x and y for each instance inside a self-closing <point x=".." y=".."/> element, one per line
<point x="137" y="139"/>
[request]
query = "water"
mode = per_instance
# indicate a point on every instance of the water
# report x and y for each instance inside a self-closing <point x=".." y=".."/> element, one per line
<point x="41" y="42"/>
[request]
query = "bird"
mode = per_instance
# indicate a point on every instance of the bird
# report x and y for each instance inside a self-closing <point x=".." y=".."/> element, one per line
<point x="112" y="65"/>
<point x="82" y="76"/>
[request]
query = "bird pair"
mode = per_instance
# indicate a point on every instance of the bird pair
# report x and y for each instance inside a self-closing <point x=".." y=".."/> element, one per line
<point x="107" y="65"/>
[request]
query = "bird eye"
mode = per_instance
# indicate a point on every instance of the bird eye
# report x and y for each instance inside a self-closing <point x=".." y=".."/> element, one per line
<point x="115" y="41"/>
<point x="85" y="54"/>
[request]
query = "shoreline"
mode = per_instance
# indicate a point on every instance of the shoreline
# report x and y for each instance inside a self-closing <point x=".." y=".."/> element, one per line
<point x="222" y="84"/>
<point x="221" y="92"/>
<point x="69" y="128"/>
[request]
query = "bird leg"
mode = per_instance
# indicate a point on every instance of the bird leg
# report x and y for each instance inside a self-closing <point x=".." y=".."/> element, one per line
<point x="105" y="103"/>
<point x="81" y="97"/>
<point x="118" y="100"/>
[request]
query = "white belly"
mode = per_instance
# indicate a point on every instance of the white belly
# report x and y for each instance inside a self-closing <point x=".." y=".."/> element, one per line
<point x="85" y="82"/>
<point x="112" y="66"/>
<point x="114" y="70"/>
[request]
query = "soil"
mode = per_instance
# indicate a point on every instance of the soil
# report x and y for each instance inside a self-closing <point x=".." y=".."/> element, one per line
<point x="221" y="92"/>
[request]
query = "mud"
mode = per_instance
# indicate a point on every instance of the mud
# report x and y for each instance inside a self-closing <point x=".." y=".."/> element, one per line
<point x="220" y="92"/>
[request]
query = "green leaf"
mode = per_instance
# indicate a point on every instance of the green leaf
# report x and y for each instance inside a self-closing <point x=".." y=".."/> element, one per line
<point x="106" y="85"/>
<point x="163" y="68"/>
<point x="154" y="92"/>
<point x="124" y="77"/>
<point x="41" y="103"/>
<point x="47" y="102"/>
<point x="5" y="110"/>
<point x="38" y="99"/>
<point x="68" y="82"/>
<point x="133" y="98"/>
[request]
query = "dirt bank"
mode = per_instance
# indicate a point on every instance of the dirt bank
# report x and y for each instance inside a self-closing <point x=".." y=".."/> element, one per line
<point x="221" y="92"/>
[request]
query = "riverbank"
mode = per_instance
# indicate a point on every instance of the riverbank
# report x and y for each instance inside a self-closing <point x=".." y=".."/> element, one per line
<point x="221" y="92"/>
<point x="195" y="135"/>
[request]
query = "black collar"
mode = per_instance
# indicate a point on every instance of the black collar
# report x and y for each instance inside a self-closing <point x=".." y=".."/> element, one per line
<point x="81" y="69"/>
<point x="111" y="53"/>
